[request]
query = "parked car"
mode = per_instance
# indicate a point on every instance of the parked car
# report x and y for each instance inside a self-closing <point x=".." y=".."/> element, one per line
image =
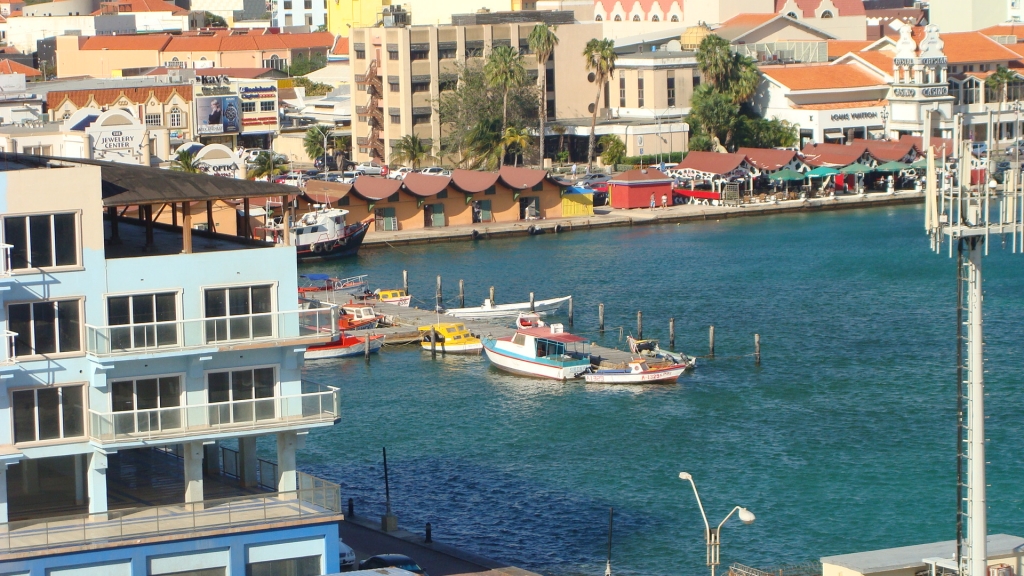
<point x="369" y="168"/>
<point x="436" y="171"/>
<point x="332" y="164"/>
<point x="253" y="154"/>
<point x="295" y="179"/>
<point x="1015" y="148"/>
<point x="593" y="179"/>
<point x="400" y="173"/>
<point x="349" y="176"/>
<point x="979" y="148"/>
<point x="392" y="561"/>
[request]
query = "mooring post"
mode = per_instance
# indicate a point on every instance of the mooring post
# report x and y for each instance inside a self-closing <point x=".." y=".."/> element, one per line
<point x="440" y="299"/>
<point x="462" y="294"/>
<point x="405" y="281"/>
<point x="570" y="311"/>
<point x="600" y="317"/>
<point x="366" y="347"/>
<point x="639" y="325"/>
<point x="672" y="334"/>
<point x="531" y="302"/>
<point x="433" y="343"/>
<point x="492" y="294"/>
<point x="351" y="508"/>
<point x="757" y="349"/>
<point x="428" y="539"/>
<point x="711" y="341"/>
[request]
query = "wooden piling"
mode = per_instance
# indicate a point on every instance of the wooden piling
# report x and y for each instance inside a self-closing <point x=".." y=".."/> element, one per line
<point x="570" y="311"/>
<point x="600" y="317"/>
<point x="672" y="334"/>
<point x="639" y="325"/>
<point x="757" y="349"/>
<point x="462" y="294"/>
<point x="440" y="298"/>
<point x="492" y="294"/>
<point x="711" y="341"/>
<point x="366" y="347"/>
<point x="405" y="281"/>
<point x="433" y="343"/>
<point x="531" y="302"/>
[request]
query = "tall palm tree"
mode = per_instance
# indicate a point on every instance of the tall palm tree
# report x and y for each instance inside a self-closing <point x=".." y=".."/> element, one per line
<point x="715" y="60"/>
<point x="1000" y="80"/>
<point x="504" y="70"/>
<point x="313" y="142"/>
<point x="542" y="43"/>
<point x="745" y="79"/>
<point x="185" y="161"/>
<point x="411" y="150"/>
<point x="267" y="164"/>
<point x="516" y="139"/>
<point x="600" y="59"/>
<point x="560" y="130"/>
<point x="484" y="150"/>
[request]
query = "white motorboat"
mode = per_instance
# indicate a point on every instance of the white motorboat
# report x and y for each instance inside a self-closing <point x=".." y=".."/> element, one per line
<point x="637" y="372"/>
<point x="492" y="310"/>
<point x="549" y="352"/>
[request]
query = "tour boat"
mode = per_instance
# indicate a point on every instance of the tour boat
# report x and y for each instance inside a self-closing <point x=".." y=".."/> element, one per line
<point x="492" y="310"/>
<point x="355" y="317"/>
<point x="549" y="352"/>
<point x="345" y="346"/>
<point x="529" y="320"/>
<point x="321" y="234"/>
<point x="397" y="297"/>
<point x="637" y="372"/>
<point x="451" y="337"/>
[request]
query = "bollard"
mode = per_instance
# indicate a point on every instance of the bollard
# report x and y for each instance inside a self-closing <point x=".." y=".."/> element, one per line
<point x="492" y="294"/>
<point x="433" y="343"/>
<point x="440" y="299"/>
<point x="366" y="347"/>
<point x="462" y="294"/>
<point x="351" y="508"/>
<point x="757" y="349"/>
<point x="711" y="341"/>
<point x="600" y="317"/>
<point x="531" y="302"/>
<point x="405" y="281"/>
<point x="639" y="325"/>
<point x="428" y="539"/>
<point x="672" y="334"/>
<point x="570" y="311"/>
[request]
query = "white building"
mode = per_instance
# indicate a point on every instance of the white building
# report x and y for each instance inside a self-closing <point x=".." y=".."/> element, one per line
<point x="306" y="13"/>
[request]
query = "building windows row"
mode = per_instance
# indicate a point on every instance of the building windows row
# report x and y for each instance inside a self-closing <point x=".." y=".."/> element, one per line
<point x="52" y="327"/>
<point x="249" y="106"/>
<point x="154" y="120"/>
<point x="42" y="241"/>
<point x="48" y="413"/>
<point x="238" y="313"/>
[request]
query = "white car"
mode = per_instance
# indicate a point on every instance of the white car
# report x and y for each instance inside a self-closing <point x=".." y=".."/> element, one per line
<point x="400" y="173"/>
<point x="369" y="168"/>
<point x="346" y="556"/>
<point x="295" y="179"/>
<point x="436" y="171"/>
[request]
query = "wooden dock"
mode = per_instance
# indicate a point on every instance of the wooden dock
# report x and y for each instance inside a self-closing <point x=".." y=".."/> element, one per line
<point x="407" y="320"/>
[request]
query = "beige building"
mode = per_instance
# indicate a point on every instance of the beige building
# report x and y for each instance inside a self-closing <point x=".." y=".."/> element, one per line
<point x="968" y="15"/>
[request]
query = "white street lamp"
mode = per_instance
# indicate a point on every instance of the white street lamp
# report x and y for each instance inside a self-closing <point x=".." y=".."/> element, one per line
<point x="712" y="535"/>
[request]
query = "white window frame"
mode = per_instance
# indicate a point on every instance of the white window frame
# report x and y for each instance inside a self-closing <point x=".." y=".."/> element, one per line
<point x="154" y="119"/>
<point x="248" y="106"/>
<point x="232" y="402"/>
<point x="273" y="314"/>
<point x="177" y="117"/>
<point x="60" y="410"/>
<point x="131" y="312"/>
<point x="31" y="269"/>
<point x="56" y="328"/>
<point x="181" y="376"/>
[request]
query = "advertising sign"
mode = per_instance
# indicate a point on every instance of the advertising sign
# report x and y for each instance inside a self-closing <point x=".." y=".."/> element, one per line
<point x="218" y="114"/>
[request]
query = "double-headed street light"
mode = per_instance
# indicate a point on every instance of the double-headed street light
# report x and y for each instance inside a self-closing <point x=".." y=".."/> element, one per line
<point x="711" y="535"/>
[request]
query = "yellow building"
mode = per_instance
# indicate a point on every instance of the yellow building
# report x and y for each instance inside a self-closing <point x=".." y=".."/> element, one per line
<point x="344" y="15"/>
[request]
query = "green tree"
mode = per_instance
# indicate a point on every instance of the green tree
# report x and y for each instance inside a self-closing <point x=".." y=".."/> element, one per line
<point x="314" y="140"/>
<point x="412" y="151"/>
<point x="1000" y="81"/>
<point x="542" y="43"/>
<point x="504" y="70"/>
<point x="185" y="161"/>
<point x="613" y="149"/>
<point x="517" y="140"/>
<point x="302" y="65"/>
<point x="715" y="61"/>
<point x="560" y="129"/>
<point x="484" y="148"/>
<point x="600" y="59"/>
<point x="267" y="165"/>
<point x="745" y="79"/>
<point x="312" y="88"/>
<point x="755" y="132"/>
<point x="715" y="112"/>
<point x="215" y="21"/>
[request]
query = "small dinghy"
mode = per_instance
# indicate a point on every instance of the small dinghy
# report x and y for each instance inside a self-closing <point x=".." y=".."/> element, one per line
<point x="637" y="372"/>
<point x="345" y="346"/>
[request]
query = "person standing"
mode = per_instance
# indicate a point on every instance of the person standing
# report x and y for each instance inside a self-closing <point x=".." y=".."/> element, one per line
<point x="664" y="201"/>
<point x="574" y="170"/>
<point x="652" y="202"/>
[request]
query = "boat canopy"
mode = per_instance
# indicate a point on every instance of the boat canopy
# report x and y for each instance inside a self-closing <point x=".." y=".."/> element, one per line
<point x="316" y="276"/>
<point x="549" y="333"/>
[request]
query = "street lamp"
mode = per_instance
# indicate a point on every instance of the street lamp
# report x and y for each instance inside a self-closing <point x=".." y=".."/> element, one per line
<point x="657" y="118"/>
<point x="885" y="123"/>
<point x="711" y="535"/>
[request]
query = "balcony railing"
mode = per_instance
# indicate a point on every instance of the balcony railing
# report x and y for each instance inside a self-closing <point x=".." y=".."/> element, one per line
<point x="314" y="497"/>
<point x="316" y="403"/>
<point x="5" y="260"/>
<point x="8" y="357"/>
<point x="316" y="324"/>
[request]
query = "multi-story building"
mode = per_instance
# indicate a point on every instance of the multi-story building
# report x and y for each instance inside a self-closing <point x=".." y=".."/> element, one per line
<point x="309" y="13"/>
<point x="968" y="15"/>
<point x="345" y="15"/>
<point x="133" y="394"/>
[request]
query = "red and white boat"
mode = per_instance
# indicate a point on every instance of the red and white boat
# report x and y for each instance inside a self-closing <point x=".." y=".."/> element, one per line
<point x="529" y="320"/>
<point x="357" y="317"/>
<point x="345" y="346"/>
<point x="637" y="372"/>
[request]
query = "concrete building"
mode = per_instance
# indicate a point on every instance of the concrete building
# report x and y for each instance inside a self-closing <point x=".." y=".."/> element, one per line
<point x="345" y="15"/>
<point x="124" y="375"/>
<point x="1004" y="551"/>
<point x="968" y="15"/>
<point x="311" y="14"/>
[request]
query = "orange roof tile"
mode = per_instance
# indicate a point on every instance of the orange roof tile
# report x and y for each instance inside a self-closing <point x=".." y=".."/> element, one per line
<point x="837" y="48"/>
<point x="127" y="42"/>
<point x="841" y="105"/>
<point x="881" y="60"/>
<point x="11" y="67"/>
<point x="143" y="6"/>
<point x="108" y="96"/>
<point x="712" y="162"/>
<point x="1010" y="29"/>
<point x="968" y="47"/>
<point x="823" y="77"/>
<point x="748" y="20"/>
<point x="340" y="46"/>
<point x="767" y="158"/>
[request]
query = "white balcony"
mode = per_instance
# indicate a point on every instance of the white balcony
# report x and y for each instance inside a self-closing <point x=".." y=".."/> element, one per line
<point x="316" y="404"/>
<point x="273" y="328"/>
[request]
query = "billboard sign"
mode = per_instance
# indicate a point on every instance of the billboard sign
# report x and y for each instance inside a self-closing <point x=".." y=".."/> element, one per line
<point x="218" y="114"/>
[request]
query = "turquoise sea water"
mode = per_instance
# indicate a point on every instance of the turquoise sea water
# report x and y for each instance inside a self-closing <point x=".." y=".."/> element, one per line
<point x="842" y="441"/>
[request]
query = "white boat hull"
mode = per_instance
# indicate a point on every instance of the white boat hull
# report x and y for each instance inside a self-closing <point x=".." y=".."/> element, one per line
<point x="651" y="376"/>
<point x="528" y="368"/>
<point x="474" y="348"/>
<point x="403" y="301"/>
<point x="357" y="349"/>
<point x="507" y="310"/>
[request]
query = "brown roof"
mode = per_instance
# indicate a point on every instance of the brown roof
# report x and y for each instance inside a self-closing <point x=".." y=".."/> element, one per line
<point x="340" y="46"/>
<point x="940" y="144"/>
<point x="521" y="178"/>
<point x="767" y="158"/>
<point x="830" y="77"/>
<point x="837" y="48"/>
<point x="639" y="175"/>
<point x="108" y="96"/>
<point x="887" y="150"/>
<point x="424" y="185"/>
<point x="11" y="67"/>
<point x="712" y="162"/>
<point x="471" y="181"/>
<point x="375" y="188"/>
<point x="740" y="24"/>
<point x="318" y="190"/>
<point x="832" y="154"/>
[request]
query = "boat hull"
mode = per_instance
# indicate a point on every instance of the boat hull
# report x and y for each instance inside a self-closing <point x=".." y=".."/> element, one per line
<point x="345" y="246"/>
<point x="471" y="348"/>
<point x="508" y="310"/>
<point x="403" y="301"/>
<point x="348" y="325"/>
<point x="344" y="347"/>
<point x="513" y="363"/>
<point x="669" y="374"/>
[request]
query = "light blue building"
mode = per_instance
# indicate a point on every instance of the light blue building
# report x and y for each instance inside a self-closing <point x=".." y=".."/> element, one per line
<point x="141" y="366"/>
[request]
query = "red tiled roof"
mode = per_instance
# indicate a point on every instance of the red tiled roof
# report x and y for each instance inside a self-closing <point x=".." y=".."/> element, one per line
<point x="108" y="96"/>
<point x="375" y="188"/>
<point x="318" y="190"/>
<point x="340" y="46"/>
<point x="823" y="77"/>
<point x="127" y="42"/>
<point x="1010" y="29"/>
<point x="11" y="67"/>
<point x="712" y="162"/>
<point x="214" y="43"/>
<point x="940" y="144"/>
<point x="887" y="150"/>
<point x="967" y="47"/>
<point x="841" y="105"/>
<point x="837" y="48"/>
<point x="881" y="60"/>
<point x="521" y="178"/>
<point x="471" y="181"/>
<point x="740" y="24"/>
<point x="424" y="185"/>
<point x="641" y="175"/>
<point x="832" y="154"/>
<point x="808" y="7"/>
<point x="194" y="44"/>
<point x="767" y="158"/>
<point x="124" y="6"/>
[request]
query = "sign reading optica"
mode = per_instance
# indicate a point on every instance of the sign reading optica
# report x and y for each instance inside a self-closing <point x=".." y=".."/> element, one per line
<point x="218" y="115"/>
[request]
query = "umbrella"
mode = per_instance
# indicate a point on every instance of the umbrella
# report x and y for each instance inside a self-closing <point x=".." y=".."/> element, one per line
<point x="821" y="172"/>
<point x="892" y="167"/>
<point x="856" y="168"/>
<point x="921" y="164"/>
<point x="787" y="174"/>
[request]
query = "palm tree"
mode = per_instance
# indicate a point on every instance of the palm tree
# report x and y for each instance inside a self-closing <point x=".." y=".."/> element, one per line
<point x="411" y="150"/>
<point x="600" y="59"/>
<point x="1000" y="80"/>
<point x="185" y="161"/>
<point x="313" y="142"/>
<point x="267" y="165"/>
<point x="484" y="150"/>
<point x="542" y="42"/>
<point x="516" y="139"/>
<point x="560" y="130"/>
<point x="715" y="60"/>
<point x="745" y="79"/>
<point x="504" y="71"/>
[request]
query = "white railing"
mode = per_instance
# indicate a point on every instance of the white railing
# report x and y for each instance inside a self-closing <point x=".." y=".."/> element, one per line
<point x="8" y="357"/>
<point x="5" y="260"/>
<point x="317" y="403"/>
<point x="314" y="324"/>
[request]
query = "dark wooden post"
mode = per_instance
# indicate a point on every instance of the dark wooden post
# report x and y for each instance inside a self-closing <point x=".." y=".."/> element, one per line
<point x="186" y="227"/>
<point x="711" y="341"/>
<point x="672" y="334"/>
<point x="148" y="211"/>
<point x="639" y="325"/>
<point x="570" y="311"/>
<point x="462" y="294"/>
<point x="600" y="317"/>
<point x="210" y="226"/>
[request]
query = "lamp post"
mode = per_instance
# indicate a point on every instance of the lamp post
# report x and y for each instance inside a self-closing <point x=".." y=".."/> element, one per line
<point x="1016" y="107"/>
<point x="657" y="118"/>
<point x="712" y="535"/>
<point x="885" y="123"/>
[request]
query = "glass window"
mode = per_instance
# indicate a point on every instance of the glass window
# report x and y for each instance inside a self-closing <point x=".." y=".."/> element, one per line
<point x="640" y="92"/>
<point x="42" y="241"/>
<point x="248" y="106"/>
<point x="287" y="4"/>
<point x="148" y="404"/>
<point x="48" y="413"/>
<point x="671" y="83"/>
<point x="153" y="120"/>
<point x="142" y="320"/>
<point x="238" y="313"/>
<point x="46" y="327"/>
<point x="622" y="91"/>
<point x="306" y="566"/>
<point x="176" y="118"/>
<point x="247" y="395"/>
<point x="307" y="4"/>
<point x="267" y="106"/>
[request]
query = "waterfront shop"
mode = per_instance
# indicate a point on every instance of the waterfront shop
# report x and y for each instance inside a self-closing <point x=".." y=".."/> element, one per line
<point x="235" y="112"/>
<point x="640" y="188"/>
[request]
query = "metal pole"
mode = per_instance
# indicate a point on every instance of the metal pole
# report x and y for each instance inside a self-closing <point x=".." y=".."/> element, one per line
<point x="600" y="317"/>
<point x="440" y="299"/>
<point x="433" y="343"/>
<point x="532" y="303"/>
<point x="757" y="349"/>
<point x="608" y="566"/>
<point x="977" y="525"/>
<point x="366" y="347"/>
<point x="387" y="486"/>
<point x="462" y="294"/>
<point x="711" y="341"/>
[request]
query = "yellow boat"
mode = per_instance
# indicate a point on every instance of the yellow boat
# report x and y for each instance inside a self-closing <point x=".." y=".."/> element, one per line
<point x="396" y="297"/>
<point x="452" y="337"/>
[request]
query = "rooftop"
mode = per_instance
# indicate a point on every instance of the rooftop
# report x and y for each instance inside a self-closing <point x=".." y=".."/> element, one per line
<point x="906" y="557"/>
<point x="832" y="77"/>
<point x="8" y="66"/>
<point x="845" y="7"/>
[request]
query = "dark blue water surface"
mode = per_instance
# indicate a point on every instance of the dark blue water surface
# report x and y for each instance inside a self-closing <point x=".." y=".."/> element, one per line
<point x="842" y="441"/>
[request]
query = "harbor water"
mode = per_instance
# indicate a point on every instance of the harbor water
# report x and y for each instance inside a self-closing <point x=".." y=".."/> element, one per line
<point x="843" y="439"/>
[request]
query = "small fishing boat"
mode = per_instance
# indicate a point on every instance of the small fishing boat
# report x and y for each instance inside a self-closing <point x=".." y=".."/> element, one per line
<point x="637" y="372"/>
<point x="452" y="337"/>
<point x="326" y="288"/>
<point x="529" y="320"/>
<point x="492" y="310"/>
<point x="356" y="317"/>
<point x="397" y="297"/>
<point x="345" y="346"/>
<point x="548" y="352"/>
<point x="651" y="349"/>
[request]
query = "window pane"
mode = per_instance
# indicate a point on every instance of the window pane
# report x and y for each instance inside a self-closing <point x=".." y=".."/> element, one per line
<point x="24" y="415"/>
<point x="44" y="326"/>
<point x="74" y="411"/>
<point x="117" y="311"/>
<point x="122" y="396"/>
<point x="19" y="321"/>
<point x="215" y="303"/>
<point x="146" y="394"/>
<point x="261" y="296"/>
<point x="16" y="235"/>
<point x="70" y="326"/>
<point x="142" y="309"/>
<point x="170" y="392"/>
<point x="264" y="379"/>
<point x="241" y="385"/>
<point x="66" y="239"/>
<point x="218" y="387"/>
<point x="49" y="413"/>
<point x="166" y="308"/>
<point x="238" y="299"/>
<point x="42" y="245"/>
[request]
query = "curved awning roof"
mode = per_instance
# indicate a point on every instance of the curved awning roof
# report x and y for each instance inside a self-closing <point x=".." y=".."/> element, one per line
<point x="423" y="185"/>
<point x="470" y="181"/>
<point x="375" y="188"/>
<point x="521" y="178"/>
